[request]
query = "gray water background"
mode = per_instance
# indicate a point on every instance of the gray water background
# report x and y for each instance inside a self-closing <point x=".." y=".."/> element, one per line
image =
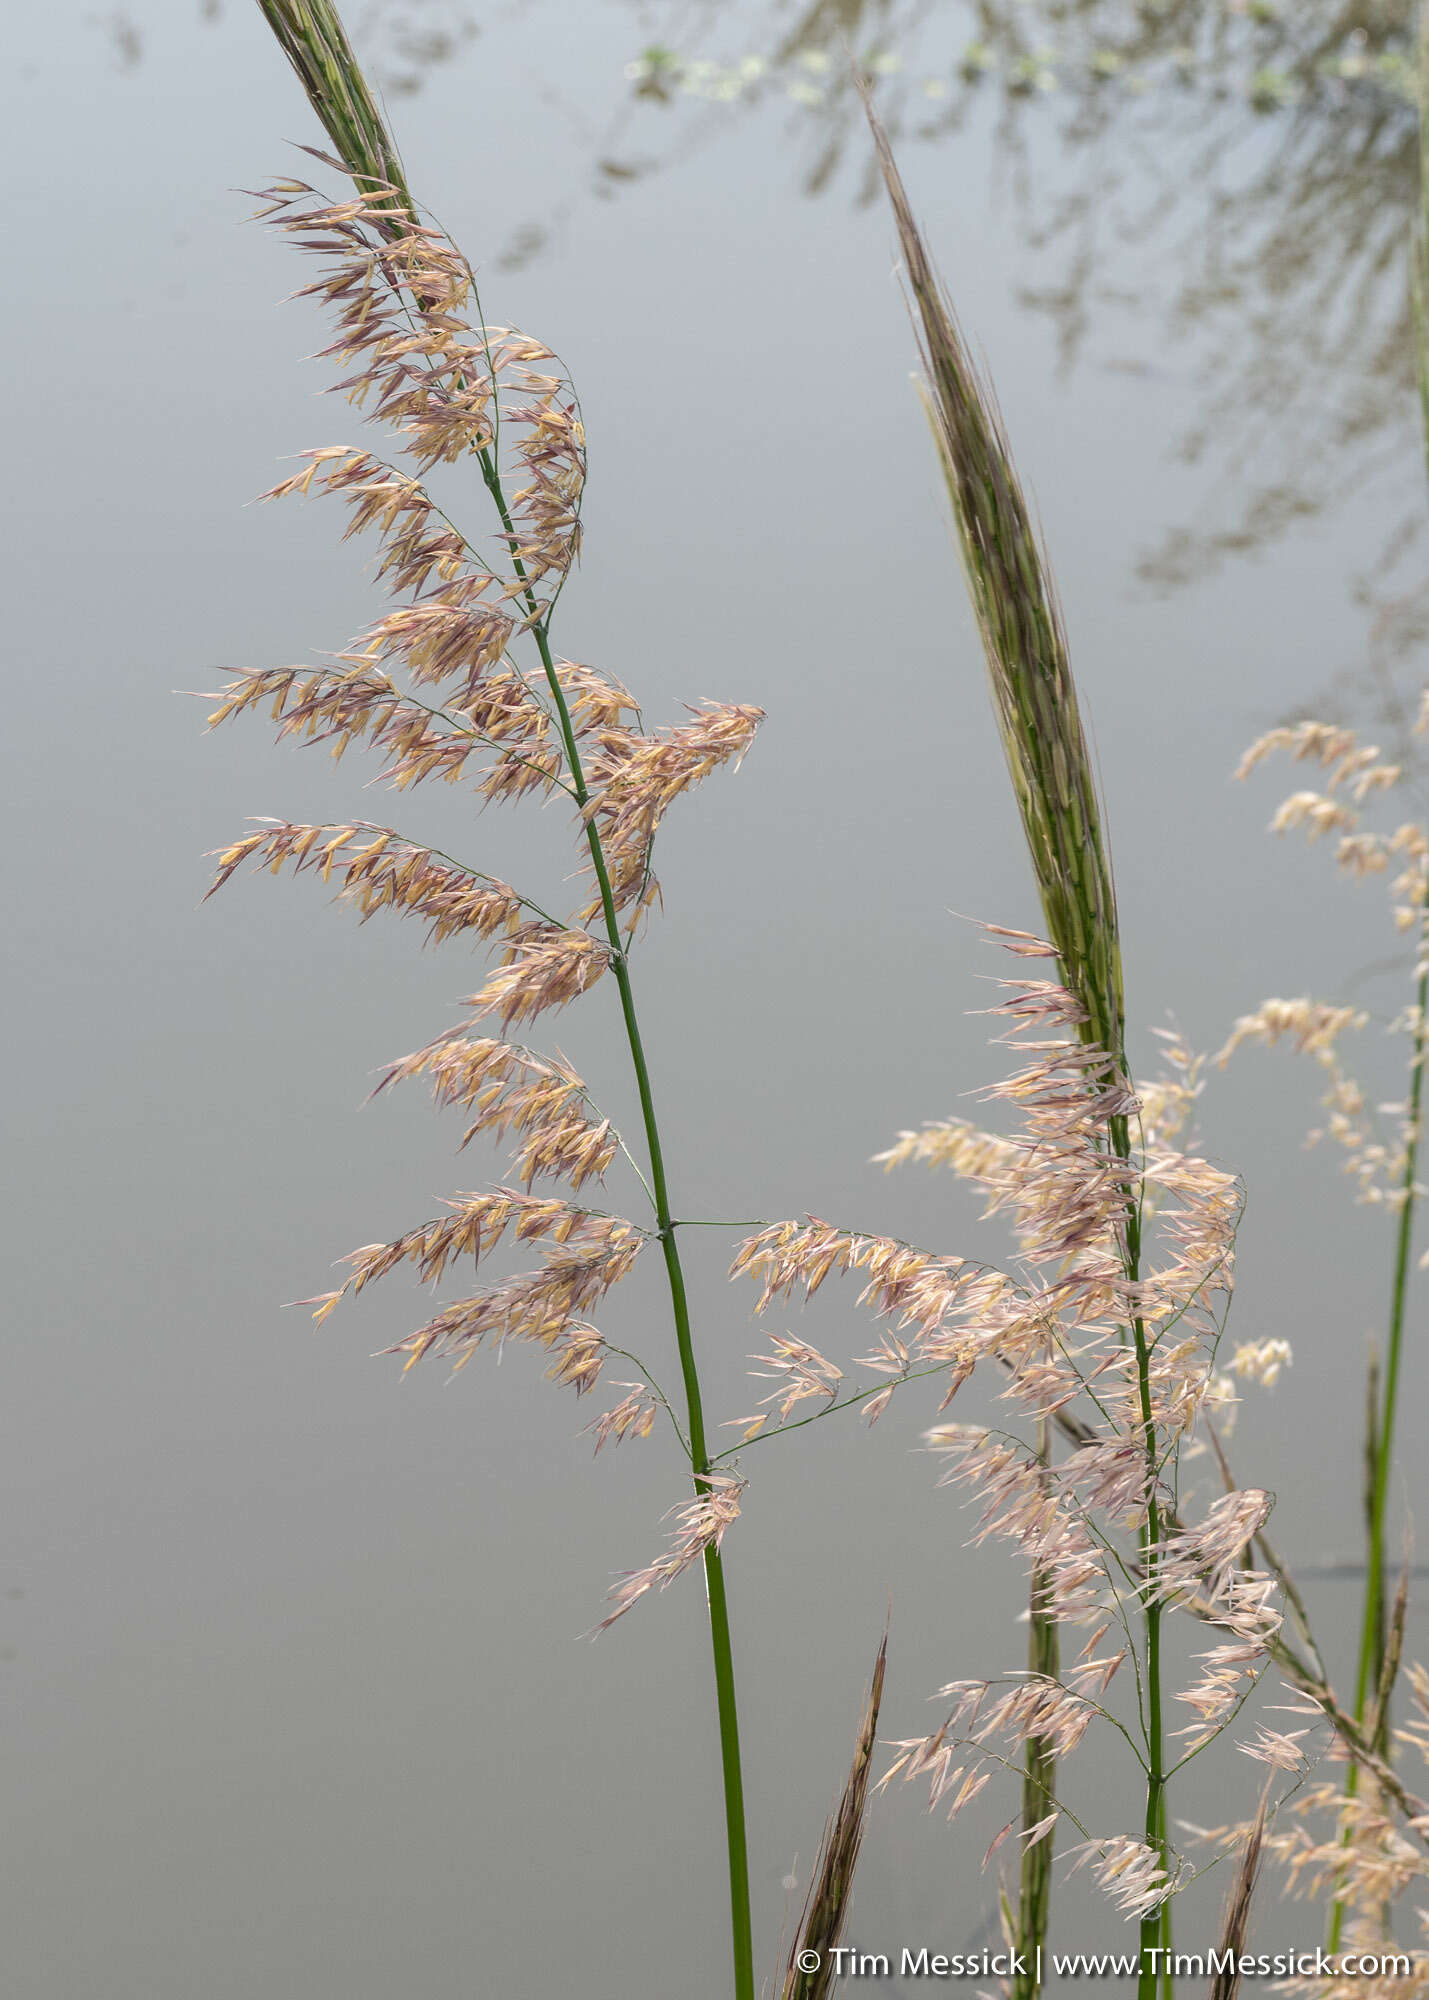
<point x="295" y="1700"/>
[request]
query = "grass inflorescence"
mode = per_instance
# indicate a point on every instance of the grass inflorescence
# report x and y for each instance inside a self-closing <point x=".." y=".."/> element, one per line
<point x="1104" y="1343"/>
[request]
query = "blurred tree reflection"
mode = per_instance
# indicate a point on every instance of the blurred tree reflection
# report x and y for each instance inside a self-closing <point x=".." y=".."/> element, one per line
<point x="1265" y="153"/>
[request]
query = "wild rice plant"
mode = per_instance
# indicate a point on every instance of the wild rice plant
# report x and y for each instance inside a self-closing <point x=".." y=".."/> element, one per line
<point x="440" y="688"/>
<point x="460" y="682"/>
<point x="1035" y="701"/>
<point x="1109" y="1341"/>
<point x="1116" y="1337"/>
<point x="1384" y="1164"/>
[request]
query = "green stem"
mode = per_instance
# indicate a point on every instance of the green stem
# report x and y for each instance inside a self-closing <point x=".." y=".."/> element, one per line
<point x="1372" y="1463"/>
<point x="311" y="35"/>
<point x="1380" y="1438"/>
<point x="1153" y="1928"/>
<point x="737" y="1843"/>
<point x="1380" y="1445"/>
<point x="1039" y="1779"/>
<point x="736" y="1835"/>
<point x="1372" y="1620"/>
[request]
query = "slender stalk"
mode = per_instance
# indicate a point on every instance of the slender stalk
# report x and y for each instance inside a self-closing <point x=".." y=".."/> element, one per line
<point x="1153" y="1926"/>
<point x="1309" y="1676"/>
<point x="1371" y="1492"/>
<point x="1372" y="1630"/>
<point x="311" y="35"/>
<point x="1054" y="782"/>
<point x="1380" y="1434"/>
<point x="1039" y="1782"/>
<point x="1420" y="240"/>
<point x="741" y="1935"/>
<point x="1370" y="1662"/>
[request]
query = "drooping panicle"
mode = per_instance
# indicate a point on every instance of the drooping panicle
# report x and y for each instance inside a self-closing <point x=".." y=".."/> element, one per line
<point x="544" y="966"/>
<point x="358" y="702"/>
<point x="422" y="362"/>
<point x="635" y="778"/>
<point x="512" y="1089"/>
<point x="587" y="1255"/>
<point x="1129" y="1871"/>
<point x="379" y="871"/>
<point x="699" y="1525"/>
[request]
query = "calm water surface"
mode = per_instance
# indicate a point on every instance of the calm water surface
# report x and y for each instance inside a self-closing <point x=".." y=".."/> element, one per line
<point x="295" y="1701"/>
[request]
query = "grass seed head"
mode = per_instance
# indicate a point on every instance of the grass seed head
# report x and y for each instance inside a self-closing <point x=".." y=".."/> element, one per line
<point x="826" y="1909"/>
<point x="1034" y="694"/>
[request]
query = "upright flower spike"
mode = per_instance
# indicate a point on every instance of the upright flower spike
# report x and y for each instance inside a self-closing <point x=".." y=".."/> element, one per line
<point x="1034" y="694"/>
<point x="311" y="35"/>
<point x="826" y="1907"/>
<point x="1035" y="700"/>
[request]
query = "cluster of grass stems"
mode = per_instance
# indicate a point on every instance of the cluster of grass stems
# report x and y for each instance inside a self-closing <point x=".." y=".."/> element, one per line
<point x="1377" y="1661"/>
<point x="1036" y="705"/>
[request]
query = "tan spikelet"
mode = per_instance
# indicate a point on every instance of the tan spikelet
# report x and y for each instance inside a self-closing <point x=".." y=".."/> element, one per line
<point x="826" y="1909"/>
<point x="1226" y="1983"/>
